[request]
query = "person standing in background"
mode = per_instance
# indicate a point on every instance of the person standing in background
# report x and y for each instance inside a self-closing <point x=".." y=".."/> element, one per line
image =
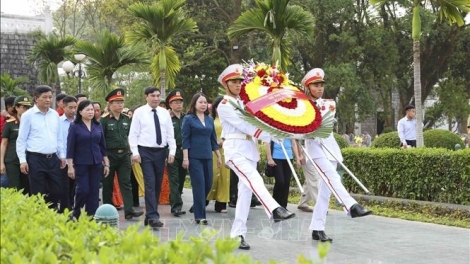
<point x="9" y="162"/>
<point x="86" y="136"/>
<point x="4" y="115"/>
<point x="407" y="128"/>
<point x="60" y="103"/>
<point x="199" y="141"/>
<point x="69" y="112"/>
<point x="150" y="135"/>
<point x="97" y="110"/>
<point x="116" y="128"/>
<point x="40" y="147"/>
<point x="220" y="191"/>
<point x="81" y="97"/>
<point x="176" y="172"/>
<point x="282" y="170"/>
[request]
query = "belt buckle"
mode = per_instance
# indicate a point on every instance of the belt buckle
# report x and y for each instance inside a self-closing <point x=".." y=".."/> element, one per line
<point x="248" y="137"/>
<point x="120" y="151"/>
<point x="48" y="156"/>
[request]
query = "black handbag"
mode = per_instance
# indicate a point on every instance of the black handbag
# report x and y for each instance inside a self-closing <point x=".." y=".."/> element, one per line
<point x="269" y="170"/>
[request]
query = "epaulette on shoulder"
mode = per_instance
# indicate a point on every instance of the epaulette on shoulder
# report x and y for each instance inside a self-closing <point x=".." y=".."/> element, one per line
<point x="105" y="114"/>
<point x="11" y="119"/>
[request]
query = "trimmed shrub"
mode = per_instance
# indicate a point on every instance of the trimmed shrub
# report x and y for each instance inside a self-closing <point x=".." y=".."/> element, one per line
<point x="32" y="233"/>
<point x="428" y="174"/>
<point x="439" y="138"/>
<point x="387" y="140"/>
<point x="434" y="138"/>
<point x="343" y="143"/>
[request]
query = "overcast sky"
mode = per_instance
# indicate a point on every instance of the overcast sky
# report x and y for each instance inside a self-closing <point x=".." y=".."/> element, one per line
<point x="27" y="7"/>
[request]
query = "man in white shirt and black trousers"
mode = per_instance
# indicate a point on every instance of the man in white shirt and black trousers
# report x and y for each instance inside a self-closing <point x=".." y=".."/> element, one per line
<point x="407" y="128"/>
<point x="151" y="134"/>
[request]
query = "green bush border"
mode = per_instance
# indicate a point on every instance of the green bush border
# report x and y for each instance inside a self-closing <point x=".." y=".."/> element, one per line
<point x="426" y="174"/>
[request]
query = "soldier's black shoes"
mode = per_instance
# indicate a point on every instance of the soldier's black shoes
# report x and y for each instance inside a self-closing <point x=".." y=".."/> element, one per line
<point x="281" y="213"/>
<point x="320" y="235"/>
<point x="243" y="244"/>
<point x="177" y="213"/>
<point x="133" y="214"/>
<point x="154" y="223"/>
<point x="358" y="211"/>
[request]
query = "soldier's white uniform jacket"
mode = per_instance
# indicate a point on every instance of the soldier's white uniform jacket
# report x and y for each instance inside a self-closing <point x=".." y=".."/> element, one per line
<point x="241" y="154"/>
<point x="238" y="133"/>
<point x="313" y="146"/>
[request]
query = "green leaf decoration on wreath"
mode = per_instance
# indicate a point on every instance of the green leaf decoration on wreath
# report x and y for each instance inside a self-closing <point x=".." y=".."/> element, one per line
<point x="323" y="131"/>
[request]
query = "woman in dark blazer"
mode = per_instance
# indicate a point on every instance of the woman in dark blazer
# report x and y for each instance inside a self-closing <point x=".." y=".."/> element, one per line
<point x="86" y="155"/>
<point x="199" y="140"/>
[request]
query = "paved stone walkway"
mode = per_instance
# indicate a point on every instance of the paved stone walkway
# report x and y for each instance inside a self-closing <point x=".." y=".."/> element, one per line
<point x="368" y="240"/>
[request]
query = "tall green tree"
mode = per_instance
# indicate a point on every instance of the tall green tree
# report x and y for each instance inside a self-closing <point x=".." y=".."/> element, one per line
<point x="158" y="23"/>
<point x="277" y="19"/>
<point x="106" y="56"/>
<point x="10" y="86"/>
<point x="47" y="53"/>
<point x="449" y="10"/>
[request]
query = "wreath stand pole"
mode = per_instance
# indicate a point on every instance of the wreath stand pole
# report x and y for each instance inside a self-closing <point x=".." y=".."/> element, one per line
<point x="291" y="167"/>
<point x="345" y="168"/>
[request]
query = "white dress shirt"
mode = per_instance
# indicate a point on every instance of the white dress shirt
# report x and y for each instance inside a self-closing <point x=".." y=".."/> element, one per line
<point x="143" y="133"/>
<point x="39" y="133"/>
<point x="406" y="129"/>
<point x="64" y="125"/>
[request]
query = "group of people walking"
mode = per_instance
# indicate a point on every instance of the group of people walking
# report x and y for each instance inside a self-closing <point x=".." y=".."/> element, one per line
<point x="51" y="150"/>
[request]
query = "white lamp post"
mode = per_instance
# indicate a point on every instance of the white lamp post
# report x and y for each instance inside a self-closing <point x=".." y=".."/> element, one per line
<point x="68" y="67"/>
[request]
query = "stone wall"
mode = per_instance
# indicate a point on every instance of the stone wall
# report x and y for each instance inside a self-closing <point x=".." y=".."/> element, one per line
<point x="14" y="50"/>
<point x="16" y="43"/>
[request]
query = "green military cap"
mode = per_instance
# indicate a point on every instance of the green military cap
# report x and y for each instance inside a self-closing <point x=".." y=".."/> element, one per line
<point x="116" y="94"/>
<point x="175" y="94"/>
<point x="22" y="100"/>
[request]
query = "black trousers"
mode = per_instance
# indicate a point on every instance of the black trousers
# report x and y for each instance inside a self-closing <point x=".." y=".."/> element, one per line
<point x="45" y="176"/>
<point x="135" y="189"/>
<point x="67" y="197"/>
<point x="282" y="176"/>
<point x="411" y="143"/>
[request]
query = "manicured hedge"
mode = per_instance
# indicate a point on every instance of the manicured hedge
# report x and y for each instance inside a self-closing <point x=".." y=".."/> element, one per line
<point x="439" y="138"/>
<point x="427" y="174"/>
<point x="32" y="233"/>
<point x="434" y="138"/>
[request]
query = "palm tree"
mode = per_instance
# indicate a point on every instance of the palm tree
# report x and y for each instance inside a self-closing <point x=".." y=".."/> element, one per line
<point x="449" y="10"/>
<point x="276" y="18"/>
<point x="10" y="86"/>
<point x="160" y="22"/>
<point x="106" y="56"/>
<point x="48" y="52"/>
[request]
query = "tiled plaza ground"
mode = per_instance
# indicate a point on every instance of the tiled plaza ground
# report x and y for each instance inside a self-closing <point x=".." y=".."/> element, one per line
<point x="367" y="240"/>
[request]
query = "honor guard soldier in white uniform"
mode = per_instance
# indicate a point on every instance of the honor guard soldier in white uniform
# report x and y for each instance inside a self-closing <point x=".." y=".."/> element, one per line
<point x="314" y="86"/>
<point x="241" y="155"/>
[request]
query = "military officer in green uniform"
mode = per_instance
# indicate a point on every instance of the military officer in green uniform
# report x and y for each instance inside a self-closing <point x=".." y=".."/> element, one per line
<point x="9" y="162"/>
<point x="116" y="130"/>
<point x="176" y="172"/>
